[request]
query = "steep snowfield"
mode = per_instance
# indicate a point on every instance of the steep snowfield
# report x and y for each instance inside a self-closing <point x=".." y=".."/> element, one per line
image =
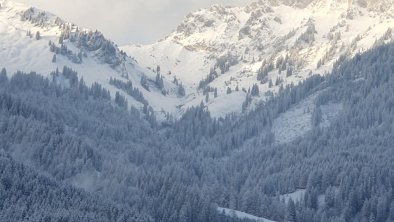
<point x="241" y="215"/>
<point x="264" y="37"/>
<point x="21" y="52"/>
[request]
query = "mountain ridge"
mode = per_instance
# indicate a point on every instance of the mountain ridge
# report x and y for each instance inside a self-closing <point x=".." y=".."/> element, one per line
<point x="263" y="43"/>
<point x="216" y="55"/>
<point x="90" y="53"/>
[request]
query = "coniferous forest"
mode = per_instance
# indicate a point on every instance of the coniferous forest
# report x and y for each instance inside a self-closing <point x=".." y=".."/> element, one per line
<point x="69" y="152"/>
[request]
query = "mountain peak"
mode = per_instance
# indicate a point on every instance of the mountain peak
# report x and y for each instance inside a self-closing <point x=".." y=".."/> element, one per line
<point x="41" y="17"/>
<point x="268" y="42"/>
<point x="32" y="39"/>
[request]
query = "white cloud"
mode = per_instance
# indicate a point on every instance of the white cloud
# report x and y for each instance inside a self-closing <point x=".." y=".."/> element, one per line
<point x="138" y="21"/>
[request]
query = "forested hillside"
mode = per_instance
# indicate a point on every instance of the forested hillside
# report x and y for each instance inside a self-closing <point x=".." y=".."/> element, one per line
<point x="26" y="196"/>
<point x="184" y="169"/>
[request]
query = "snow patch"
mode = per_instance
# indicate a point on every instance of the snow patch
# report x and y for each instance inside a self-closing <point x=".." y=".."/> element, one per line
<point x="296" y="196"/>
<point x="87" y="180"/>
<point x="241" y="215"/>
<point x="297" y="121"/>
<point x="226" y="104"/>
<point x="294" y="123"/>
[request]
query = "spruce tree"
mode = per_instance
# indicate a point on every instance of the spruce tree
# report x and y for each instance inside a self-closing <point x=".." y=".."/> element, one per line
<point x="38" y="35"/>
<point x="291" y="212"/>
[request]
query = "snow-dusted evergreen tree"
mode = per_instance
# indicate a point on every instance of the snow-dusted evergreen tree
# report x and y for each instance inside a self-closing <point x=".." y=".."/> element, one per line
<point x="38" y="35"/>
<point x="316" y="116"/>
<point x="181" y="90"/>
<point x="291" y="212"/>
<point x="255" y="90"/>
<point x="144" y="82"/>
<point x="120" y="100"/>
<point x="175" y="81"/>
<point x="159" y="81"/>
<point x="128" y="88"/>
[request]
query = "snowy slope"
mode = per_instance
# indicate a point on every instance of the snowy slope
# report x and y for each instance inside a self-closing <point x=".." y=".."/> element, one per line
<point x="100" y="58"/>
<point x="228" y="47"/>
<point x="296" y="196"/>
<point x="241" y="215"/>
<point x="269" y="40"/>
<point x="297" y="121"/>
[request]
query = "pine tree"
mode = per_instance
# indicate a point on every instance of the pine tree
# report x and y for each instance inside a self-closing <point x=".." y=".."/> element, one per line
<point x="289" y="71"/>
<point x="80" y="55"/>
<point x="3" y="75"/>
<point x="317" y="116"/>
<point x="255" y="90"/>
<point x="3" y="72"/>
<point x="145" y="109"/>
<point x="144" y="82"/>
<point x="175" y="81"/>
<point x="38" y="35"/>
<point x="159" y="81"/>
<point x="291" y="212"/>
<point x="278" y="81"/>
<point x="120" y="100"/>
<point x="181" y="90"/>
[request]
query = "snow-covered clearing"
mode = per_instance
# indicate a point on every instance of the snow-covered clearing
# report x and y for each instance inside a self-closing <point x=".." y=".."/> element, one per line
<point x="241" y="215"/>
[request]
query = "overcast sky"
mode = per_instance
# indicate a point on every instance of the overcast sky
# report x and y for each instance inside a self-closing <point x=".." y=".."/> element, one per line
<point x="128" y="21"/>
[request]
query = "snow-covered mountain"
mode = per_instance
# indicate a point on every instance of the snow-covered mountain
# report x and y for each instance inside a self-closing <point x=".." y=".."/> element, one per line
<point x="267" y="44"/>
<point x="229" y="58"/>
<point x="34" y="40"/>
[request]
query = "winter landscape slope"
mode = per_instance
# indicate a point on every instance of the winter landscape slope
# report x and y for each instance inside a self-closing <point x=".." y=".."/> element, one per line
<point x="216" y="55"/>
<point x="314" y="152"/>
<point x="21" y="188"/>
<point x="269" y="43"/>
<point x="88" y="52"/>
